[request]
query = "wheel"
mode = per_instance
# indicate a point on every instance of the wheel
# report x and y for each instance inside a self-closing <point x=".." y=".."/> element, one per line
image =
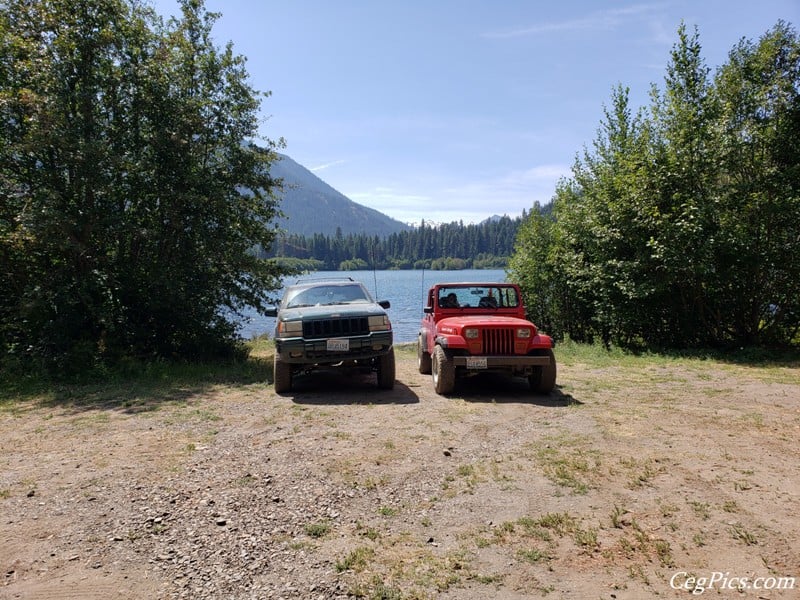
<point x="543" y="379"/>
<point x="282" y="375"/>
<point x="423" y="358"/>
<point x="444" y="371"/>
<point x="386" y="371"/>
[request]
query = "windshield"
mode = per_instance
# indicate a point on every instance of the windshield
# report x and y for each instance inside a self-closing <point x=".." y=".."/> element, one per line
<point x="327" y="294"/>
<point x="484" y="296"/>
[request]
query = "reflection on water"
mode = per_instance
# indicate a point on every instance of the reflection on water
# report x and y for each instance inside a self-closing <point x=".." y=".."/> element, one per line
<point x="404" y="289"/>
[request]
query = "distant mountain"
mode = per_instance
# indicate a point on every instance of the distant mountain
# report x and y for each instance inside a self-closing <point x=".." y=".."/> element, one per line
<point x="312" y="206"/>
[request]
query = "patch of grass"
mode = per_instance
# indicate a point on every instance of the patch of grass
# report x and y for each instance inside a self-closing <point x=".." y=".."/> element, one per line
<point x="571" y="352"/>
<point x="532" y="555"/>
<point x="506" y="527"/>
<point x="560" y="523"/>
<point x="568" y="466"/>
<point x="133" y="385"/>
<point x="754" y="419"/>
<point x="370" y="483"/>
<point x="377" y="589"/>
<point x="586" y="538"/>
<point x="261" y="346"/>
<point x="370" y="533"/>
<point x="667" y="509"/>
<point x="701" y="509"/>
<point x="387" y="511"/>
<point x="466" y="471"/>
<point x="317" y="530"/>
<point x="641" y="472"/>
<point x="616" y="517"/>
<point x="487" y="579"/>
<point x="469" y="473"/>
<point x="356" y="560"/>
<point x="533" y="528"/>
<point x="664" y="553"/>
<point x="739" y="533"/>
<point x="730" y="506"/>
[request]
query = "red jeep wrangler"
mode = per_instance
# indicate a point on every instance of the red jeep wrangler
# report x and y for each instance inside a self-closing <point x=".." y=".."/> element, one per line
<point x="470" y="328"/>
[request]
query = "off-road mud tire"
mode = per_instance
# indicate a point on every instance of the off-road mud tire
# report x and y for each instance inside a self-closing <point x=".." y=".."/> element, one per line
<point x="444" y="371"/>
<point x="282" y="374"/>
<point x="543" y="379"/>
<point x="386" y="370"/>
<point x="423" y="358"/>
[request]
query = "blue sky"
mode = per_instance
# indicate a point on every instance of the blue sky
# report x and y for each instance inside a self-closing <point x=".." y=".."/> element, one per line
<point x="449" y="110"/>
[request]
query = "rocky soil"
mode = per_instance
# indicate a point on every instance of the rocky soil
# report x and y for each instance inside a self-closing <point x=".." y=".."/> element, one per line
<point x="630" y="481"/>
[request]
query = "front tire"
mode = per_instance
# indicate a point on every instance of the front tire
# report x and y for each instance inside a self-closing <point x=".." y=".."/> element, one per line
<point x="444" y="371"/>
<point x="386" y="371"/>
<point x="423" y="358"/>
<point x="543" y="379"/>
<point x="282" y="374"/>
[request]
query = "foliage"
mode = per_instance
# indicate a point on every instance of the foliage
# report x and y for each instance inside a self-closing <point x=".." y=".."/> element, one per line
<point x="679" y="227"/>
<point x="486" y="245"/>
<point x="130" y="199"/>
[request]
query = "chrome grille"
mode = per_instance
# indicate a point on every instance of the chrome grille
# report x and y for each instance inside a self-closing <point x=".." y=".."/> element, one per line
<point x="322" y="328"/>
<point x="498" y="341"/>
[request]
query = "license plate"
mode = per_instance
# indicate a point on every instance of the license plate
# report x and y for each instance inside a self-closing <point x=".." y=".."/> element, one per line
<point x="338" y="345"/>
<point x="476" y="362"/>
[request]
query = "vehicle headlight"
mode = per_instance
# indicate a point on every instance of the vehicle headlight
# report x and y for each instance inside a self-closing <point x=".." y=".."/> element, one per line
<point x="290" y="328"/>
<point x="379" y="323"/>
<point x="471" y="333"/>
<point x="523" y="332"/>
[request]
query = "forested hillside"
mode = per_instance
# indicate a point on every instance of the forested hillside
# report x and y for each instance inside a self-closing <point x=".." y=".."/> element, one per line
<point x="681" y="225"/>
<point x="448" y="246"/>
<point x="310" y="206"/>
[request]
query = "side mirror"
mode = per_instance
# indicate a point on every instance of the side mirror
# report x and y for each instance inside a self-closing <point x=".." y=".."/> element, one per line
<point x="272" y="311"/>
<point x="428" y="310"/>
<point x="384" y="304"/>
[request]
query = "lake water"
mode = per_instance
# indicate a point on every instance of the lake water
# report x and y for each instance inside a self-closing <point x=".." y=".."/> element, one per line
<point x="406" y="291"/>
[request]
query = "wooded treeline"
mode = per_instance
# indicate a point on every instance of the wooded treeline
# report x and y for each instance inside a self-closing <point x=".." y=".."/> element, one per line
<point x="486" y="245"/>
<point x="680" y="226"/>
<point x="129" y="198"/>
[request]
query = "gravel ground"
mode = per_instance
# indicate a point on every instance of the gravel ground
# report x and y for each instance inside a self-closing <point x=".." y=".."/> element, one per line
<point x="611" y="487"/>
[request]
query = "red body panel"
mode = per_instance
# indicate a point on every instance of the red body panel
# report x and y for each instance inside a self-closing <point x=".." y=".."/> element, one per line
<point x="446" y="326"/>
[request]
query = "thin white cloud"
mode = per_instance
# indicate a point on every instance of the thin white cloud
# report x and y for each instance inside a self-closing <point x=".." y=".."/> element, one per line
<point x="326" y="166"/>
<point x="598" y="20"/>
<point x="473" y="201"/>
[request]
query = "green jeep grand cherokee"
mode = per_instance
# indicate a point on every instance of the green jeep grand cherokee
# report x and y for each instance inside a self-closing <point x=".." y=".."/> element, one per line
<point x="331" y="323"/>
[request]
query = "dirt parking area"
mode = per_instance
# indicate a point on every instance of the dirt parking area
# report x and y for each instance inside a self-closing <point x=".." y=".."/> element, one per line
<point x="635" y="479"/>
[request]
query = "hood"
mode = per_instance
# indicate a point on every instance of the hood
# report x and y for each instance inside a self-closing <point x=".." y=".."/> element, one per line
<point x="484" y="321"/>
<point x="331" y="311"/>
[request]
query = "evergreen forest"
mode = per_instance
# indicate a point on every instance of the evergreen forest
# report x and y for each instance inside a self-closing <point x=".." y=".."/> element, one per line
<point x="487" y="245"/>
